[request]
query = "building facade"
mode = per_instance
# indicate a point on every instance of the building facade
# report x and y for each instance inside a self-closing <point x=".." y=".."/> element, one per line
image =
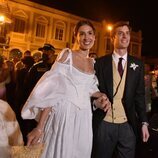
<point x="35" y="24"/>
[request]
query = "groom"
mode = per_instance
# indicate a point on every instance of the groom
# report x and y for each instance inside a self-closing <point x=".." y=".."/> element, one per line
<point x="121" y="78"/>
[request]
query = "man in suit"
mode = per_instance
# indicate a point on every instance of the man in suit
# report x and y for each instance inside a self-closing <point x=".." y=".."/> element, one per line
<point x="121" y="78"/>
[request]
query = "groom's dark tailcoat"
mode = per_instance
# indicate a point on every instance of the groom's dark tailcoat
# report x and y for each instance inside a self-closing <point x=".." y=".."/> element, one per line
<point x="133" y="99"/>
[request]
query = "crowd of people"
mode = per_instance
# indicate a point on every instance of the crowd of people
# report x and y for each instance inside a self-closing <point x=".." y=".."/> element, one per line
<point x="16" y="82"/>
<point x="78" y="104"/>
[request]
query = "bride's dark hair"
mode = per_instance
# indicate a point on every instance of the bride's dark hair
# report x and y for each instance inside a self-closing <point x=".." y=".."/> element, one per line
<point x="81" y="23"/>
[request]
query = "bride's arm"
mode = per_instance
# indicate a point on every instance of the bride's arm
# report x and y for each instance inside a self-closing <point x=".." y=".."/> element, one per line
<point x="98" y="94"/>
<point x="35" y="135"/>
<point x="43" y="118"/>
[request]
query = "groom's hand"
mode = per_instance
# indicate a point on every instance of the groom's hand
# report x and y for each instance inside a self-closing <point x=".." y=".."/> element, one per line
<point x="103" y="103"/>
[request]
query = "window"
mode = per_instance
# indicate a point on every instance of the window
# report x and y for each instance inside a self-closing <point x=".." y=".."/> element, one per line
<point x="19" y="25"/>
<point x="59" y="34"/>
<point x="3" y="33"/>
<point x="3" y="30"/>
<point x="59" y="31"/>
<point x="41" y="24"/>
<point x="20" y="21"/>
<point x="40" y="30"/>
<point x="72" y="38"/>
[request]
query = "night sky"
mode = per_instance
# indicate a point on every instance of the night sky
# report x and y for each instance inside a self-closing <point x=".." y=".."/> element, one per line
<point x="142" y="15"/>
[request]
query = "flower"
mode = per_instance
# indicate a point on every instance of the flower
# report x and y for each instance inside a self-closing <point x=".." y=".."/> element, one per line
<point x="133" y="66"/>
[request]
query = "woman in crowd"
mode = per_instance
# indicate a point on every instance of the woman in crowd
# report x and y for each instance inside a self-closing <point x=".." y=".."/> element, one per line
<point x="61" y="100"/>
<point x="4" y="78"/>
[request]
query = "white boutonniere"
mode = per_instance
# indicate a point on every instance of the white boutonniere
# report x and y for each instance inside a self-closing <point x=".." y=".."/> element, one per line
<point x="134" y="66"/>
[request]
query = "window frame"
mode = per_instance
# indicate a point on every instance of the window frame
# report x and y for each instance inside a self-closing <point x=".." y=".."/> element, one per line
<point x="60" y="29"/>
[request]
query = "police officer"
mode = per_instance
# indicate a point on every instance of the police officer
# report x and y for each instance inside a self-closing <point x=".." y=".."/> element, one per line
<point x="38" y="69"/>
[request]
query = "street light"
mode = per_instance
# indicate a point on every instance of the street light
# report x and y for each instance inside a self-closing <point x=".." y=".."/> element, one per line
<point x="1" y="19"/>
<point x="5" y="21"/>
<point x="109" y="27"/>
<point x="5" y="15"/>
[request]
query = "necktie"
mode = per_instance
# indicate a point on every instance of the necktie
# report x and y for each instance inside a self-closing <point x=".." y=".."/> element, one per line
<point x="120" y="68"/>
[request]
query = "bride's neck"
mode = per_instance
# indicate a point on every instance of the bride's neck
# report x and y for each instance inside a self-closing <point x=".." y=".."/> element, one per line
<point x="83" y="53"/>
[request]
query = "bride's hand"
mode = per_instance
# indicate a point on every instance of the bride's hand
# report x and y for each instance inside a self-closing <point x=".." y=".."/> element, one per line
<point x="35" y="136"/>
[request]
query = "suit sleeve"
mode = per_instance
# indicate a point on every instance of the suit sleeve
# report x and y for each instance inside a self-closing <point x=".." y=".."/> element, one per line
<point x="140" y="96"/>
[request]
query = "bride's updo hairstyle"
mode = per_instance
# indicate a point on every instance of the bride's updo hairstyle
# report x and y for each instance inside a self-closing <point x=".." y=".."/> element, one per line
<point x="81" y="23"/>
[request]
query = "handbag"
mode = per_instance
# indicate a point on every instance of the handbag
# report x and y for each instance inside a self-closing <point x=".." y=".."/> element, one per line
<point x="33" y="151"/>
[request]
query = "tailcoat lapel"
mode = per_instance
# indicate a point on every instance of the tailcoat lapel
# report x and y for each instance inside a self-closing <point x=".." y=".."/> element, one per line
<point x="108" y="73"/>
<point x="130" y="77"/>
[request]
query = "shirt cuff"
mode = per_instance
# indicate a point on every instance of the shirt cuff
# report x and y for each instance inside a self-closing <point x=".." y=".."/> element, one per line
<point x="145" y="123"/>
<point x="94" y="107"/>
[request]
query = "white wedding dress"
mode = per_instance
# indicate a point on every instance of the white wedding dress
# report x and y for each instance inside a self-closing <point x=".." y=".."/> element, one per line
<point x="68" y="132"/>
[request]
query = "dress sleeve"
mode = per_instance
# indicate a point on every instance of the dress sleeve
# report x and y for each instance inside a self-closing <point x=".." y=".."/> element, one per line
<point x="47" y="93"/>
<point x="39" y="98"/>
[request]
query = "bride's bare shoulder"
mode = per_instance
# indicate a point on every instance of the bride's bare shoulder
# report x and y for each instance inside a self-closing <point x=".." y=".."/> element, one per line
<point x="63" y="55"/>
